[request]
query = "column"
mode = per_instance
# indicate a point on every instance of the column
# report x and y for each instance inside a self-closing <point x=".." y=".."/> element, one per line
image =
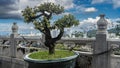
<point x="101" y="54"/>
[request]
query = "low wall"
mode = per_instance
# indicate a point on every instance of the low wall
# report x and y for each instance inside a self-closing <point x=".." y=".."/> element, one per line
<point x="115" y="61"/>
<point x="85" y="60"/>
<point x="7" y="62"/>
<point x="21" y="51"/>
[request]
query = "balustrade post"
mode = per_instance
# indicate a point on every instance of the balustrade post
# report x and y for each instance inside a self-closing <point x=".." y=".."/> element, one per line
<point x="101" y="54"/>
<point x="1" y="50"/>
<point x="13" y="42"/>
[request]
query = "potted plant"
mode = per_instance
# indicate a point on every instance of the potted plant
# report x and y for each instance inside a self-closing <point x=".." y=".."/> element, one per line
<point x="41" y="16"/>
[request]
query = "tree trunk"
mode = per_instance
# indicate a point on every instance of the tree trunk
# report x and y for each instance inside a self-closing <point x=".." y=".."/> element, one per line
<point x="52" y="50"/>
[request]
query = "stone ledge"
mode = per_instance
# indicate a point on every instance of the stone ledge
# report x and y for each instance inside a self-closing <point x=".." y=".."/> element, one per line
<point x="13" y="60"/>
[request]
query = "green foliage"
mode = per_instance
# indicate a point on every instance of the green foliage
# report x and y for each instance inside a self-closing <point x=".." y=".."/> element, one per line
<point x="60" y="46"/>
<point x="40" y="16"/>
<point x="66" y="21"/>
<point x="91" y="33"/>
<point x="44" y="55"/>
<point x="78" y="34"/>
<point x="50" y="7"/>
<point x="118" y="21"/>
<point x="76" y="48"/>
<point x="117" y="52"/>
<point x="28" y="13"/>
<point x="117" y="28"/>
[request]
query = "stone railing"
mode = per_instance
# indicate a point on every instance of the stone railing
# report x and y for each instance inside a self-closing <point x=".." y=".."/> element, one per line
<point x="85" y="56"/>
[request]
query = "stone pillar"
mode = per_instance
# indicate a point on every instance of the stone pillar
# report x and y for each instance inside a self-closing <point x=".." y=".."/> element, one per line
<point x="13" y="47"/>
<point x="101" y="54"/>
<point x="13" y="42"/>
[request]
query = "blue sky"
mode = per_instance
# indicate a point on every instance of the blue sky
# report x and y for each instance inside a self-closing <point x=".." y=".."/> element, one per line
<point x="87" y="11"/>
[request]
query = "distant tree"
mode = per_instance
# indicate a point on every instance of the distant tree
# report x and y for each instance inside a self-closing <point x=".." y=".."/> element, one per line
<point x="91" y="33"/>
<point x="40" y="16"/>
<point x="77" y="34"/>
<point x="117" y="28"/>
<point x="118" y="21"/>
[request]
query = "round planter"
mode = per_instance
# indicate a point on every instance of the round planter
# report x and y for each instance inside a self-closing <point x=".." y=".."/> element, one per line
<point x="68" y="62"/>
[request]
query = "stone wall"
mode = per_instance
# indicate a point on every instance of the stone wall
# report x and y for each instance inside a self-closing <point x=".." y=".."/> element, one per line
<point x="115" y="61"/>
<point x="85" y="60"/>
<point x="21" y="52"/>
<point x="7" y="62"/>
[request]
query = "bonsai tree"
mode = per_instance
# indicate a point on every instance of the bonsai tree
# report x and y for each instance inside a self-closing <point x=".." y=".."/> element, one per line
<point x="41" y="16"/>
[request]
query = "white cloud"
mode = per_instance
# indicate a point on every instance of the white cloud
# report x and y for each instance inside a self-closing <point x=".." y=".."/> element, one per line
<point x="24" y="3"/>
<point x="80" y="8"/>
<point x="7" y="26"/>
<point x="97" y="1"/>
<point x="116" y="3"/>
<point x="65" y="13"/>
<point x="90" y="9"/>
<point x="91" y="23"/>
<point x="117" y="19"/>
<point x="66" y="3"/>
<point x="88" y="23"/>
<point x="101" y="1"/>
<point x="8" y="7"/>
<point x="90" y="20"/>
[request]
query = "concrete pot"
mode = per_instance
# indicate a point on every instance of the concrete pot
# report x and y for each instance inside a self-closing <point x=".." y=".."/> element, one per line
<point x="68" y="62"/>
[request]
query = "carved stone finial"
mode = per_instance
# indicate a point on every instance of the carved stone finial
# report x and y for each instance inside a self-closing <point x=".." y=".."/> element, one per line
<point x="102" y="24"/>
<point x="14" y="28"/>
<point x="102" y="15"/>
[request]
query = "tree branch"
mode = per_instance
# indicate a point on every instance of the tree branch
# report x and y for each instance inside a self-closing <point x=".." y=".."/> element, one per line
<point x="36" y="16"/>
<point x="41" y="30"/>
<point x="59" y="35"/>
<point x="47" y="16"/>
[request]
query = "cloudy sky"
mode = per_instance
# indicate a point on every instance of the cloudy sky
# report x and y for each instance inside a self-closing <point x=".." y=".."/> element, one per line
<point x="87" y="11"/>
